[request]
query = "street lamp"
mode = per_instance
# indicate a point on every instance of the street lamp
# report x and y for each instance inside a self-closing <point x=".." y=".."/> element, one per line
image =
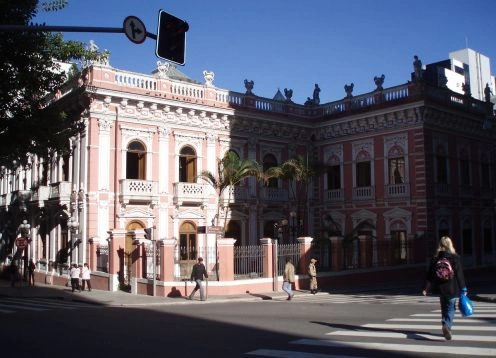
<point x="24" y="228"/>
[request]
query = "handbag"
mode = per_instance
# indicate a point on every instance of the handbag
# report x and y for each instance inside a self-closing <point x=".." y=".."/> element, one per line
<point x="465" y="305"/>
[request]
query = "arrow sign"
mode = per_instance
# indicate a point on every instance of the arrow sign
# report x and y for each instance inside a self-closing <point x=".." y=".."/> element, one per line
<point x="134" y="29"/>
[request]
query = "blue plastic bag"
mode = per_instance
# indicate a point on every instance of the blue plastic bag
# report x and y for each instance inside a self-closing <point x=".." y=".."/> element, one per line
<point x="465" y="305"/>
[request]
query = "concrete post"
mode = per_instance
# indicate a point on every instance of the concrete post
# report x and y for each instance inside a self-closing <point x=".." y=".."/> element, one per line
<point x="268" y="269"/>
<point x="166" y="252"/>
<point x="226" y="259"/>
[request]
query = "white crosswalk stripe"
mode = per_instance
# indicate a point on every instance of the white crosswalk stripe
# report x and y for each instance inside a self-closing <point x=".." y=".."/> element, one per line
<point x="472" y="337"/>
<point x="16" y="304"/>
<point x="362" y="299"/>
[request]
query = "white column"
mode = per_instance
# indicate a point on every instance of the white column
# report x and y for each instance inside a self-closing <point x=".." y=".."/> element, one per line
<point x="104" y="154"/>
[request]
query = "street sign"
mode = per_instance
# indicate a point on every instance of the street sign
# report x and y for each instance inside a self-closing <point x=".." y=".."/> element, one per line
<point x="134" y="29"/>
<point x="21" y="242"/>
<point x="215" y="229"/>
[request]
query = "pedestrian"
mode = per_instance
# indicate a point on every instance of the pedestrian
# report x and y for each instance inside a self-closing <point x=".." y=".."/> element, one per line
<point x="198" y="273"/>
<point x="288" y="278"/>
<point x="86" y="277"/>
<point x="445" y="278"/>
<point x="75" y="273"/>
<point x="312" y="272"/>
<point x="14" y="273"/>
<point x="31" y="268"/>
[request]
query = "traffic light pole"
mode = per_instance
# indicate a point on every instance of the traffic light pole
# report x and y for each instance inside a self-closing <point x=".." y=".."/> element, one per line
<point x="45" y="28"/>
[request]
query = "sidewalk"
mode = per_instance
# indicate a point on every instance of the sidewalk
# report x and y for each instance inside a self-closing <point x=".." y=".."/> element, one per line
<point x="480" y="291"/>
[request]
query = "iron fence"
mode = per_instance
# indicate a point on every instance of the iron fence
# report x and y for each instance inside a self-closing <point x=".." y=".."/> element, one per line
<point x="102" y="258"/>
<point x="287" y="250"/>
<point x="184" y="264"/>
<point x="248" y="261"/>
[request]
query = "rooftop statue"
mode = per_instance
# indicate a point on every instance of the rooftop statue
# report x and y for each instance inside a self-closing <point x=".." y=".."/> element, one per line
<point x="315" y="100"/>
<point x="209" y="78"/>
<point x="379" y="81"/>
<point x="417" y="68"/>
<point x="288" y="93"/>
<point x="349" y="90"/>
<point x="249" y="86"/>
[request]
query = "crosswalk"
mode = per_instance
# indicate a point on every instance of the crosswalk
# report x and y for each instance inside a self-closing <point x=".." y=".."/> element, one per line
<point x="418" y="334"/>
<point x="38" y="304"/>
<point x="322" y="297"/>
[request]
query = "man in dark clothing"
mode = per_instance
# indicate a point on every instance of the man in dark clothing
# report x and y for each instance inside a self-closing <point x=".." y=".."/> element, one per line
<point x="448" y="285"/>
<point x="197" y="274"/>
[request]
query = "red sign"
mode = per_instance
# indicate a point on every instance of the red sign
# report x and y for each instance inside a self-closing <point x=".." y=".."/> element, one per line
<point x="21" y="242"/>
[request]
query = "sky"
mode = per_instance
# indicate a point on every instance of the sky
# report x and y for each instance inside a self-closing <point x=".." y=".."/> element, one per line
<point x="293" y="44"/>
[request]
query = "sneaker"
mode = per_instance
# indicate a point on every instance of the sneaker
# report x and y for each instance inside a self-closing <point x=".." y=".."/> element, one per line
<point x="446" y="332"/>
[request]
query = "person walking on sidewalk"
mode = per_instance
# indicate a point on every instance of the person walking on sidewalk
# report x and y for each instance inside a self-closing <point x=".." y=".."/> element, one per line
<point x="197" y="274"/>
<point x="288" y="278"/>
<point x="86" y="277"/>
<point x="31" y="268"/>
<point x="312" y="272"/>
<point x="14" y="273"/>
<point x="445" y="277"/>
<point x="75" y="273"/>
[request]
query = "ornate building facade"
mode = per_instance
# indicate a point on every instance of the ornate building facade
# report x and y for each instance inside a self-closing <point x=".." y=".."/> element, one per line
<point x="403" y="166"/>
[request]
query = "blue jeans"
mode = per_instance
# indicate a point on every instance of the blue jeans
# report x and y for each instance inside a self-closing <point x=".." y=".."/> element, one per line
<point x="448" y="307"/>
<point x="287" y="287"/>
<point x="198" y="286"/>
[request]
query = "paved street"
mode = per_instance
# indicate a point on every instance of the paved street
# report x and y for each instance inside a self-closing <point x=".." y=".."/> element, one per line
<point x="365" y="322"/>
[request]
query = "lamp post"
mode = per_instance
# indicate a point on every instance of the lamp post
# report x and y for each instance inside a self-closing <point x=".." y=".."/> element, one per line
<point x="277" y="236"/>
<point x="73" y="226"/>
<point x="22" y="243"/>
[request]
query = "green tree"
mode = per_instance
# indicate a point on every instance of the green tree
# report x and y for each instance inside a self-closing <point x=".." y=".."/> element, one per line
<point x="231" y="171"/>
<point x="299" y="172"/>
<point x="30" y="73"/>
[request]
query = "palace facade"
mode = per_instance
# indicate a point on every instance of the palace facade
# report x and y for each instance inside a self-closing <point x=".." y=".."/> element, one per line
<point x="402" y="166"/>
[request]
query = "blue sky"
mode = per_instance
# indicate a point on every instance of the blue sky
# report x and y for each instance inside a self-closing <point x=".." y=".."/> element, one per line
<point x="294" y="44"/>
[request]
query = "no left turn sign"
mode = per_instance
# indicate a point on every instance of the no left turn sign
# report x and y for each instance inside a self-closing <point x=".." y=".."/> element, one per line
<point x="134" y="29"/>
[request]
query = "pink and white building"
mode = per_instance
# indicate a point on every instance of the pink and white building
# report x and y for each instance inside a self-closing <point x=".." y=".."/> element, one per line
<point x="404" y="165"/>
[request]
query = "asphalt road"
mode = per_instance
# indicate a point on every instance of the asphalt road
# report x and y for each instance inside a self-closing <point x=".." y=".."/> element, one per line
<point x="351" y="325"/>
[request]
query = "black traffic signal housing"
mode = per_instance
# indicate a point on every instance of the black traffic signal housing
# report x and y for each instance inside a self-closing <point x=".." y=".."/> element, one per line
<point x="171" y="38"/>
<point x="148" y="233"/>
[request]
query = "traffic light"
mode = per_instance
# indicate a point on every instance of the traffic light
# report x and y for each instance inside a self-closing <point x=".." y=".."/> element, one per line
<point x="171" y="38"/>
<point x="148" y="233"/>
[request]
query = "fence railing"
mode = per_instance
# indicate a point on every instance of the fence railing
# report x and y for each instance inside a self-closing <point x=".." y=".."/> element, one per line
<point x="288" y="250"/>
<point x="248" y="261"/>
<point x="102" y="254"/>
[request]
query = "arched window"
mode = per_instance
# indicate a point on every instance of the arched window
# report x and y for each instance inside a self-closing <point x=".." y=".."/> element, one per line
<point x="333" y="173"/>
<point x="136" y="161"/>
<point x="187" y="165"/>
<point x="234" y="231"/>
<point x="443" y="229"/>
<point x="363" y="169"/>
<point x="396" y="164"/>
<point x="270" y="161"/>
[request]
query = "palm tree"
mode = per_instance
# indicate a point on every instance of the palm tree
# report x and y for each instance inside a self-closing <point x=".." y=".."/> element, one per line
<point x="231" y="171"/>
<point x="299" y="172"/>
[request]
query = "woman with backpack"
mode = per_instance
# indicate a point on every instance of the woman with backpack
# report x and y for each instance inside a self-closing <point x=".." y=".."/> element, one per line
<point x="445" y="277"/>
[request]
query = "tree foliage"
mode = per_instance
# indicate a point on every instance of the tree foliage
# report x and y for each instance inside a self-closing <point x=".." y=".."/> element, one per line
<point x="30" y="71"/>
<point x="299" y="173"/>
<point x="231" y="171"/>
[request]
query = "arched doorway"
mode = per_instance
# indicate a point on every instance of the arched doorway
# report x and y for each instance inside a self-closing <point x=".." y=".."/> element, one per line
<point x="188" y="247"/>
<point x="127" y="259"/>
